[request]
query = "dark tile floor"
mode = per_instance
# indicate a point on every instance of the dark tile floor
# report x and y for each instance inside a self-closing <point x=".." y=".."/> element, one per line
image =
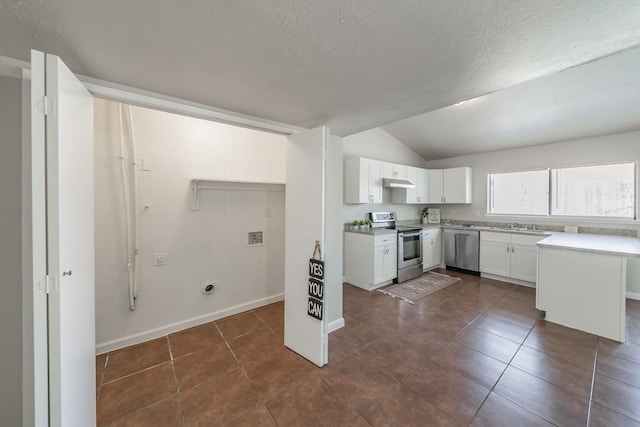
<point x="475" y="353"/>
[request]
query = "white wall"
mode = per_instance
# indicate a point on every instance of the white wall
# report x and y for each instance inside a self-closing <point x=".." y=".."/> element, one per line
<point x="605" y="149"/>
<point x="208" y="244"/>
<point x="10" y="251"/>
<point x="378" y="144"/>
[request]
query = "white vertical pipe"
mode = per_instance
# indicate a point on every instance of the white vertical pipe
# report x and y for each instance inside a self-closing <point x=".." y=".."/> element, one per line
<point x="127" y="208"/>
<point x="135" y="213"/>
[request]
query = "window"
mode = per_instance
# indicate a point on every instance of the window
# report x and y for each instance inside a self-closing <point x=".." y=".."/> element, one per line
<point x="519" y="193"/>
<point x="601" y="191"/>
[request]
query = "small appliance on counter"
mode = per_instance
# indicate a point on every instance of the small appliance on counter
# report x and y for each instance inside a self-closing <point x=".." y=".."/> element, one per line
<point x="409" y="244"/>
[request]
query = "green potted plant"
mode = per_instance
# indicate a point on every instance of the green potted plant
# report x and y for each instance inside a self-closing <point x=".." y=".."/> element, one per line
<point x="355" y="224"/>
<point x="425" y="215"/>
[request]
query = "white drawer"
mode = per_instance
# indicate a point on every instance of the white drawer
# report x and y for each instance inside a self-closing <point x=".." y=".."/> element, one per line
<point x="519" y="239"/>
<point x="385" y="239"/>
<point x="488" y="236"/>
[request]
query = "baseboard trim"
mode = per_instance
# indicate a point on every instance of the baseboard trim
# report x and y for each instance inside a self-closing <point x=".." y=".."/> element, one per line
<point x="509" y="280"/>
<point x="633" y="295"/>
<point x="185" y="324"/>
<point x="336" y="324"/>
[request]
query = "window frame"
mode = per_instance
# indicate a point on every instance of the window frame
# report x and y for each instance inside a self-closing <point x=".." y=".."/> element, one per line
<point x="551" y="183"/>
<point x="490" y="193"/>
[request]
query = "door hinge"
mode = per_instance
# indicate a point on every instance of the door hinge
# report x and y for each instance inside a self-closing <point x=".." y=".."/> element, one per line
<point x="50" y="284"/>
<point x="43" y="105"/>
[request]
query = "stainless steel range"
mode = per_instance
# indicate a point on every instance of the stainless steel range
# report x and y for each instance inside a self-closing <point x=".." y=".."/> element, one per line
<point x="409" y="245"/>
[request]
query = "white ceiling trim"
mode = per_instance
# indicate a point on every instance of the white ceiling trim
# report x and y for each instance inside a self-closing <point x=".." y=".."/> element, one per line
<point x="12" y="67"/>
<point x="141" y="98"/>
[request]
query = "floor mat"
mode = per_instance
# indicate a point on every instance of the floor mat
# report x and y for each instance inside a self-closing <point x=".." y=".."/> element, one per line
<point x="414" y="289"/>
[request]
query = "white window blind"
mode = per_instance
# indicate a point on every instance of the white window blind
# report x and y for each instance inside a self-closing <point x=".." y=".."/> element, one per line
<point x="595" y="191"/>
<point x="519" y="193"/>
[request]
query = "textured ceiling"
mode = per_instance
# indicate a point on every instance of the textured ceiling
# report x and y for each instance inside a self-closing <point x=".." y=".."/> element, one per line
<point x="594" y="99"/>
<point x="351" y="65"/>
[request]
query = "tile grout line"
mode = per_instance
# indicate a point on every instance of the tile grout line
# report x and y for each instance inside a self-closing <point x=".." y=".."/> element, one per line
<point x="593" y="381"/>
<point x="175" y="378"/>
<point x="104" y="369"/>
<point x="505" y="369"/>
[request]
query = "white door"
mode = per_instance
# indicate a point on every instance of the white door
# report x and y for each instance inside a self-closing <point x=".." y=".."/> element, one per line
<point x="422" y="185"/>
<point x="523" y="262"/>
<point x="436" y="184"/>
<point x="305" y="224"/>
<point x="375" y="181"/>
<point x="495" y="256"/>
<point x="69" y="240"/>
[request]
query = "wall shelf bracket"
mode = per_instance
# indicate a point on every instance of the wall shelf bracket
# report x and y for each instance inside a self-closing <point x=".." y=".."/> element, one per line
<point x="199" y="184"/>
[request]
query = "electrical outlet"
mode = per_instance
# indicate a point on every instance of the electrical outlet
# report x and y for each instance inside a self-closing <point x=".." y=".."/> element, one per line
<point x="453" y="212"/>
<point x="160" y="259"/>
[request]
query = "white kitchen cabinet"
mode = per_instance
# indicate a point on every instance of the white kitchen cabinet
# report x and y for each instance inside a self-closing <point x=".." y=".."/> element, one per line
<point x="450" y="185"/>
<point x="495" y="253"/>
<point x="370" y="261"/>
<point x="524" y="256"/>
<point x="419" y="194"/>
<point x="385" y="260"/>
<point x="431" y="248"/>
<point x="457" y="185"/>
<point x="363" y="181"/>
<point x="394" y="171"/>
<point x="582" y="281"/>
<point x="436" y="186"/>
<point x="510" y="256"/>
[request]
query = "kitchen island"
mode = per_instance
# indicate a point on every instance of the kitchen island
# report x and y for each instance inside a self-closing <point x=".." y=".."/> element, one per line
<point x="582" y="281"/>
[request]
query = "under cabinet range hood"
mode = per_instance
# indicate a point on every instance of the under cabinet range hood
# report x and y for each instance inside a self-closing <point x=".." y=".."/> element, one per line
<point x="397" y="183"/>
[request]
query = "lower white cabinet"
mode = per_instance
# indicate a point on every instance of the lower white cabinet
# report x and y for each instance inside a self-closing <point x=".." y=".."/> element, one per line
<point x="431" y="248"/>
<point x="509" y="256"/>
<point x="370" y="261"/>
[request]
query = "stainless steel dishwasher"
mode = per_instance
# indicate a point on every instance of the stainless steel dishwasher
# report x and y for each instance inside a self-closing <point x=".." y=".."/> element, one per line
<point x="462" y="249"/>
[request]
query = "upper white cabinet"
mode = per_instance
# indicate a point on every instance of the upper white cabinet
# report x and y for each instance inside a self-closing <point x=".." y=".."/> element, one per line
<point x="436" y="186"/>
<point x="363" y="181"/>
<point x="419" y="194"/>
<point x="450" y="185"/>
<point x="395" y="171"/>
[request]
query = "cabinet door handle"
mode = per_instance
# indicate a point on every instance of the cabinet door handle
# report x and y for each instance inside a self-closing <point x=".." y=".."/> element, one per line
<point x="513" y="249"/>
<point x="507" y="248"/>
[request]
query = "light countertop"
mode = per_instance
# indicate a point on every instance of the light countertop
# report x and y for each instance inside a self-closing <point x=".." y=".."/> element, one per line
<point x="498" y="229"/>
<point x="596" y="243"/>
<point x="373" y="231"/>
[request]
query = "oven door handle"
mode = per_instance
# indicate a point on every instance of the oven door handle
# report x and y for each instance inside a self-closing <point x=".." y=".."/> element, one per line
<point x="409" y="234"/>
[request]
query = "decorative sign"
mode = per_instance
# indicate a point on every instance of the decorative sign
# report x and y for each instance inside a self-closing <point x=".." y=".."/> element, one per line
<point x="316" y="268"/>
<point x="434" y="216"/>
<point x="316" y="285"/>
<point x="316" y="288"/>
<point x="314" y="308"/>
